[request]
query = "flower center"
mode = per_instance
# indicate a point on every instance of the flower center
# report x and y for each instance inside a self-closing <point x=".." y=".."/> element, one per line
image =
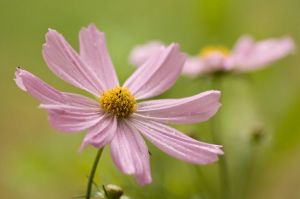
<point x="213" y="50"/>
<point x="118" y="101"/>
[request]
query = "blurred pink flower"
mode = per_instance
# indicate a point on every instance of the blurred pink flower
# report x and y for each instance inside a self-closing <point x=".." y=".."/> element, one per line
<point x="246" y="55"/>
<point x="141" y="53"/>
<point x="115" y="117"/>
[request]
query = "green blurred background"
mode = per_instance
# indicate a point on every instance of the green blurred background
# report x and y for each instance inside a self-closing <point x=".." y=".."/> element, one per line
<point x="39" y="162"/>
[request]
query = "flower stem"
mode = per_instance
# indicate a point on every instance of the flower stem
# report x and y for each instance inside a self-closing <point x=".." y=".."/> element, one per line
<point x="217" y="138"/>
<point x="223" y="170"/>
<point x="92" y="174"/>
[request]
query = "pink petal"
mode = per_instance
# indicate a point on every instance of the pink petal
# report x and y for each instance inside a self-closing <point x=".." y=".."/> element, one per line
<point x="70" y="121"/>
<point x="130" y="153"/>
<point x="19" y="80"/>
<point x="251" y="56"/>
<point x="157" y="74"/>
<point x="243" y="45"/>
<point x="36" y="87"/>
<point x="197" y="108"/>
<point x="194" y="66"/>
<point x="94" y="52"/>
<point x="67" y="112"/>
<point x="66" y="63"/>
<point x="102" y="133"/>
<point x="215" y="62"/>
<point x="178" y="144"/>
<point x="141" y="53"/>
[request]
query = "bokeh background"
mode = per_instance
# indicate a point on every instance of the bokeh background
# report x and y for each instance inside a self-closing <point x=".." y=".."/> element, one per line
<point x="36" y="161"/>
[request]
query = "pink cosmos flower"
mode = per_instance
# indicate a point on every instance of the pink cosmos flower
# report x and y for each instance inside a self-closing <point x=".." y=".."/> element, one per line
<point x="116" y="116"/>
<point x="246" y="55"/>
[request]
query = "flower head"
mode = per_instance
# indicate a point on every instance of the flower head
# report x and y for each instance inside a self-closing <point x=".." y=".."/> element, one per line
<point x="246" y="55"/>
<point x="117" y="117"/>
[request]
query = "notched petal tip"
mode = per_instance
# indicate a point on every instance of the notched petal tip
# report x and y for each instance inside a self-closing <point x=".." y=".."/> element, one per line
<point x="85" y="143"/>
<point x="176" y="47"/>
<point x="144" y="179"/>
<point x="51" y="32"/>
<point x="92" y="26"/>
<point x="216" y="92"/>
<point x="18" y="78"/>
<point x="290" y="43"/>
<point x="215" y="155"/>
<point x="173" y="46"/>
<point x="49" y="37"/>
<point x="82" y="146"/>
<point x="18" y="70"/>
<point x="219" y="150"/>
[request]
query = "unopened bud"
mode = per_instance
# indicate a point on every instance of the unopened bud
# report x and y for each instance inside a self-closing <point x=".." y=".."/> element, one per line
<point x="124" y="197"/>
<point x="114" y="191"/>
<point x="258" y="133"/>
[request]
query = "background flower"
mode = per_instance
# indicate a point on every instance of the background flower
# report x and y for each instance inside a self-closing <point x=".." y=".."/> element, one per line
<point x="246" y="55"/>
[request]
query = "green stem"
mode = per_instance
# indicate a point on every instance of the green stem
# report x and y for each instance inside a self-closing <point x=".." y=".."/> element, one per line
<point x="203" y="184"/>
<point x="92" y="174"/>
<point x="217" y="138"/>
<point x="223" y="170"/>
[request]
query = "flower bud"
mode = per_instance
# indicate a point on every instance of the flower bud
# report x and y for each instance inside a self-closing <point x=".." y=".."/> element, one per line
<point x="258" y="133"/>
<point x="114" y="191"/>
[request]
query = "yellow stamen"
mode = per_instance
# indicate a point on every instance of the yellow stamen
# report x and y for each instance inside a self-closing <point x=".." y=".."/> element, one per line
<point x="118" y="101"/>
<point x="207" y="51"/>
